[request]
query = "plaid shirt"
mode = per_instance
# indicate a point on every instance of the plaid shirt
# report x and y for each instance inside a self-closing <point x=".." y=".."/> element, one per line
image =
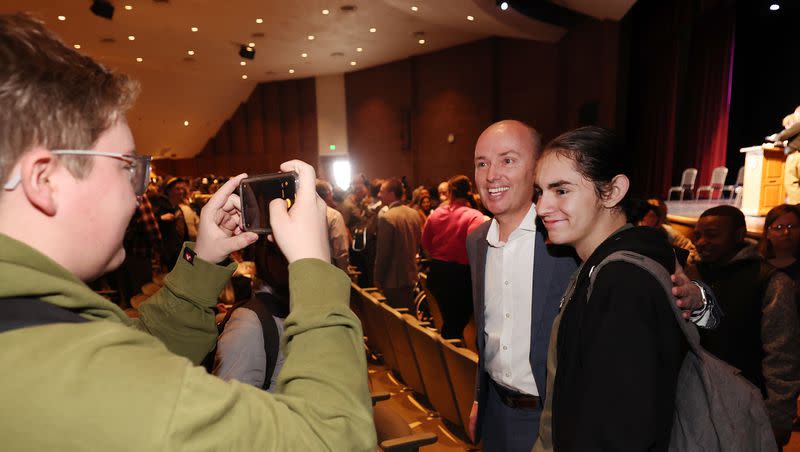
<point x="143" y="237"/>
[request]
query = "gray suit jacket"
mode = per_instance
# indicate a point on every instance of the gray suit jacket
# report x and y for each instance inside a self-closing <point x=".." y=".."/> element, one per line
<point x="552" y="269"/>
<point x="397" y="244"/>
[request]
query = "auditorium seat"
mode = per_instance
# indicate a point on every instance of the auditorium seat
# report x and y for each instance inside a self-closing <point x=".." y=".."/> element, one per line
<point x="462" y="366"/>
<point x="378" y="338"/>
<point x="687" y="183"/>
<point x="357" y="304"/>
<point x="470" y="335"/>
<point x="433" y="369"/>
<point x="433" y="305"/>
<point x="394" y="434"/>
<point x="401" y="343"/>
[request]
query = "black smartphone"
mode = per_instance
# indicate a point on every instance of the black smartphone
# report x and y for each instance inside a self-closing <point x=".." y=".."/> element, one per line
<point x="256" y="193"/>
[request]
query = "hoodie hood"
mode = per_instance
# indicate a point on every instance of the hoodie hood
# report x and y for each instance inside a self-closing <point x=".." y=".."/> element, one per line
<point x="749" y="252"/>
<point x="27" y="273"/>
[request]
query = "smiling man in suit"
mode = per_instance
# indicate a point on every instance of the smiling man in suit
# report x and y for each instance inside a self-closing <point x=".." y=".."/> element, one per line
<point x="513" y="329"/>
<point x="518" y="282"/>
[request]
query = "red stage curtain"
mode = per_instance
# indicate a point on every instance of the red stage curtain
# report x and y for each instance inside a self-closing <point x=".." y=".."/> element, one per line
<point x="709" y="94"/>
<point x="681" y="56"/>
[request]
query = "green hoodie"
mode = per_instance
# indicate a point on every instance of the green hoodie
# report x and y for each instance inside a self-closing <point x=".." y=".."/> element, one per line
<point x="118" y="384"/>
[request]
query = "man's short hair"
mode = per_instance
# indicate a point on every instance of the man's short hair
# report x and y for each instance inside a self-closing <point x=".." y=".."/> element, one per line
<point x="324" y="188"/>
<point x="460" y="186"/>
<point x="52" y="96"/>
<point x="736" y="216"/>
<point x="172" y="182"/>
<point x="395" y="185"/>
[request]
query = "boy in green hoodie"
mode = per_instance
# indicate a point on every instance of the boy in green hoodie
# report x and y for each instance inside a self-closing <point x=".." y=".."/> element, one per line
<point x="97" y="380"/>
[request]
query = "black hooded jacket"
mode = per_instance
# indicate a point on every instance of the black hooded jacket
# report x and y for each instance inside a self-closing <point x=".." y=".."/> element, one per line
<point x="619" y="353"/>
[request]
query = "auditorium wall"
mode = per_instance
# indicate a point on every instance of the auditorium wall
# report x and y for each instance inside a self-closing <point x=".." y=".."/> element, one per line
<point x="278" y="122"/>
<point x="401" y="114"/>
<point x="460" y="91"/>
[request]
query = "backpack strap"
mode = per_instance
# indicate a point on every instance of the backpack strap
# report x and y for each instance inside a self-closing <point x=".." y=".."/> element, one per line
<point x="16" y="313"/>
<point x="264" y="306"/>
<point x="662" y="276"/>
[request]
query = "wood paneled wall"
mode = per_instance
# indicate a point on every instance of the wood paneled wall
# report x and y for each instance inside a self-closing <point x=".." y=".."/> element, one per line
<point x="400" y="114"/>
<point x="403" y="130"/>
<point x="278" y="122"/>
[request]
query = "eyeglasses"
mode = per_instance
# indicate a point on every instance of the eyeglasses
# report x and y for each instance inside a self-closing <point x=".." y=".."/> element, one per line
<point x="138" y="168"/>
<point x="782" y="227"/>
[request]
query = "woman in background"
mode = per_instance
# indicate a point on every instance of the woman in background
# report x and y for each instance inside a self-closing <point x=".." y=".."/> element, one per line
<point x="781" y="238"/>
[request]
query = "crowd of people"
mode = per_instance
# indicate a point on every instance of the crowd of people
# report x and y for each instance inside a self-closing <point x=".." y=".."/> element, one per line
<point x="579" y="349"/>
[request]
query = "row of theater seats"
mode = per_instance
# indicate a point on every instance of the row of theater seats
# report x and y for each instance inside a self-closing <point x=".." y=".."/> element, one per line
<point x="433" y="367"/>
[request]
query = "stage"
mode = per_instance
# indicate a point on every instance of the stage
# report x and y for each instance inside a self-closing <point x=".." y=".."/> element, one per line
<point x="683" y="216"/>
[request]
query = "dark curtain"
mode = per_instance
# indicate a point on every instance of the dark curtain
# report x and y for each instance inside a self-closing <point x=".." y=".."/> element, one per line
<point x="652" y="99"/>
<point x="678" y="89"/>
<point x="709" y="94"/>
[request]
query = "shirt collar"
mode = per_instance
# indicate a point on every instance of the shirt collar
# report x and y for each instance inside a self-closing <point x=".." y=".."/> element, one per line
<point x="528" y="224"/>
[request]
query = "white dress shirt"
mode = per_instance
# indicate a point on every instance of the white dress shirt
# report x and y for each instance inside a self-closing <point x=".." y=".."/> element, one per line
<point x="507" y="306"/>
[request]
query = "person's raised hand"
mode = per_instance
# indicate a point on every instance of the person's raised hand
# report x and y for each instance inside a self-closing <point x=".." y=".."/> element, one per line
<point x="220" y="232"/>
<point x="688" y="295"/>
<point x="301" y="232"/>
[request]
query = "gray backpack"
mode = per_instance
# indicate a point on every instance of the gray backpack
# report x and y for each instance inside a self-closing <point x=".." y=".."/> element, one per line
<point x="716" y="409"/>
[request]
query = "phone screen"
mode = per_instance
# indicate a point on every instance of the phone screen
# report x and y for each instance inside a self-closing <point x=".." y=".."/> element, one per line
<point x="257" y="192"/>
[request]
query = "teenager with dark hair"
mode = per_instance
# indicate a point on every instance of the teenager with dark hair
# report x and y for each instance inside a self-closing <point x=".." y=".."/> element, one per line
<point x="619" y="348"/>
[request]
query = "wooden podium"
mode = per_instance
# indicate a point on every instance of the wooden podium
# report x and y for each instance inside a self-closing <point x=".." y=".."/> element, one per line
<point x="763" y="179"/>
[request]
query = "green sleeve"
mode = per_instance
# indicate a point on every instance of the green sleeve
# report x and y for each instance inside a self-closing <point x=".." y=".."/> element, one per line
<point x="181" y="313"/>
<point x="322" y="398"/>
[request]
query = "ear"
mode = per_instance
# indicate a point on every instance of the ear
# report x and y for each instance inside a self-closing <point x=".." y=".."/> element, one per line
<point x="617" y="190"/>
<point x="36" y="169"/>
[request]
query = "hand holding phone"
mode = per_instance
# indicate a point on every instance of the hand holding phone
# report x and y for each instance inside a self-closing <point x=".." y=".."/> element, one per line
<point x="219" y="233"/>
<point x="258" y="191"/>
<point x="301" y="232"/>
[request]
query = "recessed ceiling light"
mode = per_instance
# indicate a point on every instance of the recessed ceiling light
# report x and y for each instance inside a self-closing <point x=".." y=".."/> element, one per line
<point x="194" y="29"/>
<point x="62" y="18"/>
<point x="291" y="71"/>
<point x="414" y="8"/>
<point x="77" y="46"/>
<point x="326" y="12"/>
<point x="504" y="5"/>
<point x="191" y="52"/>
<point x="421" y="41"/>
<point x="131" y="38"/>
<point x="128" y="7"/>
<point x="242" y="63"/>
<point x="353" y="63"/>
<point x="244" y="77"/>
<point x="251" y="44"/>
<point x="259" y="21"/>
<point x="470" y="18"/>
<point x="774" y="7"/>
<point x="310" y="37"/>
<point x="372" y="30"/>
<point x="304" y="55"/>
<point x="359" y="49"/>
<point x="139" y="60"/>
<point x="186" y="123"/>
